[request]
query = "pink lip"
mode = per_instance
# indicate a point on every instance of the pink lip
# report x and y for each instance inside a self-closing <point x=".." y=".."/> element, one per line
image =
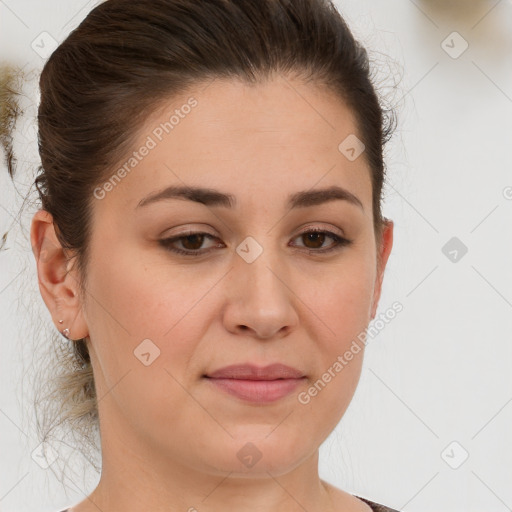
<point x="257" y="384"/>
<point x="257" y="390"/>
<point x="252" y="372"/>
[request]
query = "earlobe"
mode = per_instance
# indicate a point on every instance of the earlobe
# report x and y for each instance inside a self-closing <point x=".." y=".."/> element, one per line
<point x="58" y="284"/>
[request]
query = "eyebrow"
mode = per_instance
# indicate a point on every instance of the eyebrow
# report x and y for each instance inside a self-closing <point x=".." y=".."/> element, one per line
<point x="211" y="197"/>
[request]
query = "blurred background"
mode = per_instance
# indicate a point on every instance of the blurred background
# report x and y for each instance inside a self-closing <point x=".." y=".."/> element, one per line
<point x="429" y="427"/>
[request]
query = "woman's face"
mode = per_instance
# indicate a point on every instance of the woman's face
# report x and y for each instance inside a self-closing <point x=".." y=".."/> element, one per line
<point x="255" y="288"/>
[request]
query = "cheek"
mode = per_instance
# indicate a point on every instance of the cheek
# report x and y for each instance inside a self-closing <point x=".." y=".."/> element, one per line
<point x="340" y="300"/>
<point x="340" y="314"/>
<point x="145" y="326"/>
<point x="339" y="306"/>
<point x="140" y="299"/>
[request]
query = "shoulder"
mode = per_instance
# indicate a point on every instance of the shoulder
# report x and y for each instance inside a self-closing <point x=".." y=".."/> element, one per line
<point x="376" y="507"/>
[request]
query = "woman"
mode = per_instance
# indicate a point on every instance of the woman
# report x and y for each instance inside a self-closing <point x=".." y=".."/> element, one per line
<point x="211" y="244"/>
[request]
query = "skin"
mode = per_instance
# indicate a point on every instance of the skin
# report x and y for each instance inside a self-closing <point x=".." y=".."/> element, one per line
<point x="169" y="438"/>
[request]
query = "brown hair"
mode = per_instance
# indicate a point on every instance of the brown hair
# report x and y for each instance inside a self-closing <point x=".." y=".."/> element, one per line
<point x="9" y="111"/>
<point x="125" y="58"/>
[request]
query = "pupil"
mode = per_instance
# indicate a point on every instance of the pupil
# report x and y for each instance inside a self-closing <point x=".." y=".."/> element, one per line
<point x="316" y="237"/>
<point x="196" y="246"/>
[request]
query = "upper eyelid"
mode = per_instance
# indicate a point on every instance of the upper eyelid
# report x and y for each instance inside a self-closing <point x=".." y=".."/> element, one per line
<point x="307" y="228"/>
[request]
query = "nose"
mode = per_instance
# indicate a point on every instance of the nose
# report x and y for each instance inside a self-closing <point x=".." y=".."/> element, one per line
<point x="260" y="300"/>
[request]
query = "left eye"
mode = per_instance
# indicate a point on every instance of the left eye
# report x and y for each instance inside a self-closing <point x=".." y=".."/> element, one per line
<point x="191" y="241"/>
<point x="194" y="240"/>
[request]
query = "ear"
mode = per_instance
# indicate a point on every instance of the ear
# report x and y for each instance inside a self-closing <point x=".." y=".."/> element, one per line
<point x="58" y="283"/>
<point x="383" y="251"/>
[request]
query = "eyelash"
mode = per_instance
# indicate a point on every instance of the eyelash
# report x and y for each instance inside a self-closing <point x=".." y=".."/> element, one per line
<point x="340" y="242"/>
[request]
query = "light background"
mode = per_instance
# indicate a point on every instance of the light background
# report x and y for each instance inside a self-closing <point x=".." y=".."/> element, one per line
<point x="440" y="371"/>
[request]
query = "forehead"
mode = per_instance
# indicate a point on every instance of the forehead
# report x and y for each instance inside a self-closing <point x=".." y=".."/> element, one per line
<point x="269" y="139"/>
<point x="279" y="113"/>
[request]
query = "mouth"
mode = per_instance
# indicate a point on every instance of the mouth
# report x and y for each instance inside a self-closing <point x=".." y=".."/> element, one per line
<point x="256" y="384"/>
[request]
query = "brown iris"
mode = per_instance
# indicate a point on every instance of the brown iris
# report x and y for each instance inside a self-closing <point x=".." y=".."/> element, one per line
<point x="197" y="241"/>
<point x="314" y="237"/>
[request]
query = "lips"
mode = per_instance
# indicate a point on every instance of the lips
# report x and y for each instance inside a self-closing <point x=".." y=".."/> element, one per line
<point x="257" y="384"/>
<point x="252" y="372"/>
